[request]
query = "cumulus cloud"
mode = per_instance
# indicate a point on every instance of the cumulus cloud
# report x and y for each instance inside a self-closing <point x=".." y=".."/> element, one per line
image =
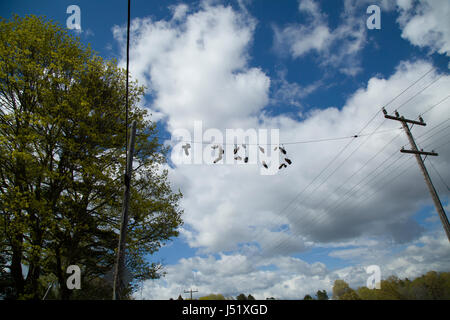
<point x="197" y="67"/>
<point x="228" y="206"/>
<point x="291" y="93"/>
<point x="338" y="48"/>
<point x="293" y="278"/>
<point x="425" y="23"/>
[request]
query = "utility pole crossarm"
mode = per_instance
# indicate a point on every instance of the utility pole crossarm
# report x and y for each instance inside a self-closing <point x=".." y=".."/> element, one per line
<point x="402" y="119"/>
<point x="425" y="153"/>
<point x="420" y="123"/>
<point x="190" y="291"/>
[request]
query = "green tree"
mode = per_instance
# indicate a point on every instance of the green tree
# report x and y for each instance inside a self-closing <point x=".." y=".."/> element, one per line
<point x="431" y="286"/>
<point x="368" y="294"/>
<point x="62" y="139"/>
<point x="322" y="295"/>
<point x="308" y="297"/>
<point x="391" y="289"/>
<point x="250" y="297"/>
<point x="342" y="291"/>
<point x="241" y="297"/>
<point x="350" y="295"/>
<point x="213" y="297"/>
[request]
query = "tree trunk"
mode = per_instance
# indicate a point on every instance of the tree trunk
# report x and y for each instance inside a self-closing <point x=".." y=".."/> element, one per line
<point x="16" y="265"/>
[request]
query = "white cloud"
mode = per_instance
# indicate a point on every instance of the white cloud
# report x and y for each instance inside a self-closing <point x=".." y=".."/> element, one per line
<point x="291" y="93"/>
<point x="338" y="48"/>
<point x="426" y="24"/>
<point x="226" y="205"/>
<point x="301" y="39"/>
<point x="179" y="11"/>
<point x="293" y="278"/>
<point x="198" y="68"/>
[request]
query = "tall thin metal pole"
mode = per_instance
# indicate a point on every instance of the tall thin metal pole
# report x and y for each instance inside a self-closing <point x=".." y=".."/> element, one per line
<point x="128" y="63"/>
<point x="48" y="289"/>
<point x="120" y="261"/>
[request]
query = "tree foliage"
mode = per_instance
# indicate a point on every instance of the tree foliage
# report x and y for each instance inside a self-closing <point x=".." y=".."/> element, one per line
<point x="62" y="140"/>
<point x="322" y="295"/>
<point x="431" y="286"/>
<point x="244" y="297"/>
<point x="213" y="296"/>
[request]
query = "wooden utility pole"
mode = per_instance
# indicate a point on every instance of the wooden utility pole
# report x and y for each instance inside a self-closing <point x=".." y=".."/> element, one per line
<point x="418" y="154"/>
<point x="190" y="291"/>
<point x="120" y="260"/>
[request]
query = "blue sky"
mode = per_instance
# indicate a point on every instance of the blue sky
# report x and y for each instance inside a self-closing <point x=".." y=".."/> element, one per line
<point x="312" y="70"/>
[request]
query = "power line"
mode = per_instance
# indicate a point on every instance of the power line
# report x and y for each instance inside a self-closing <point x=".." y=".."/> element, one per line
<point x="428" y="138"/>
<point x="388" y="172"/>
<point x="433" y="128"/>
<point x="348" y="194"/>
<point x="434" y="106"/>
<point x="395" y="98"/>
<point x="439" y="175"/>
<point x="392" y="179"/>
<point x="345" y="160"/>
<point x="429" y="109"/>
<point x="393" y="138"/>
<point x="355" y="136"/>
<point x="415" y="95"/>
<point x="334" y="171"/>
<point x="365" y="164"/>
<point x="441" y="145"/>
<point x="379" y="127"/>
<point x="340" y="165"/>
<point x="422" y="90"/>
<point x="347" y="145"/>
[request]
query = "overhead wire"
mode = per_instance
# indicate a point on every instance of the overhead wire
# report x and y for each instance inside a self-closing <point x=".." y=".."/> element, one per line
<point x="433" y="135"/>
<point x="420" y="91"/>
<point x="372" y="158"/>
<point x="403" y="104"/>
<point x="402" y="92"/>
<point x="433" y="128"/>
<point x="354" y="136"/>
<point x="439" y="175"/>
<point x="390" y="169"/>
<point x="392" y="178"/>
<point x="348" y="144"/>
<point x="337" y="203"/>
<point x="434" y="106"/>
